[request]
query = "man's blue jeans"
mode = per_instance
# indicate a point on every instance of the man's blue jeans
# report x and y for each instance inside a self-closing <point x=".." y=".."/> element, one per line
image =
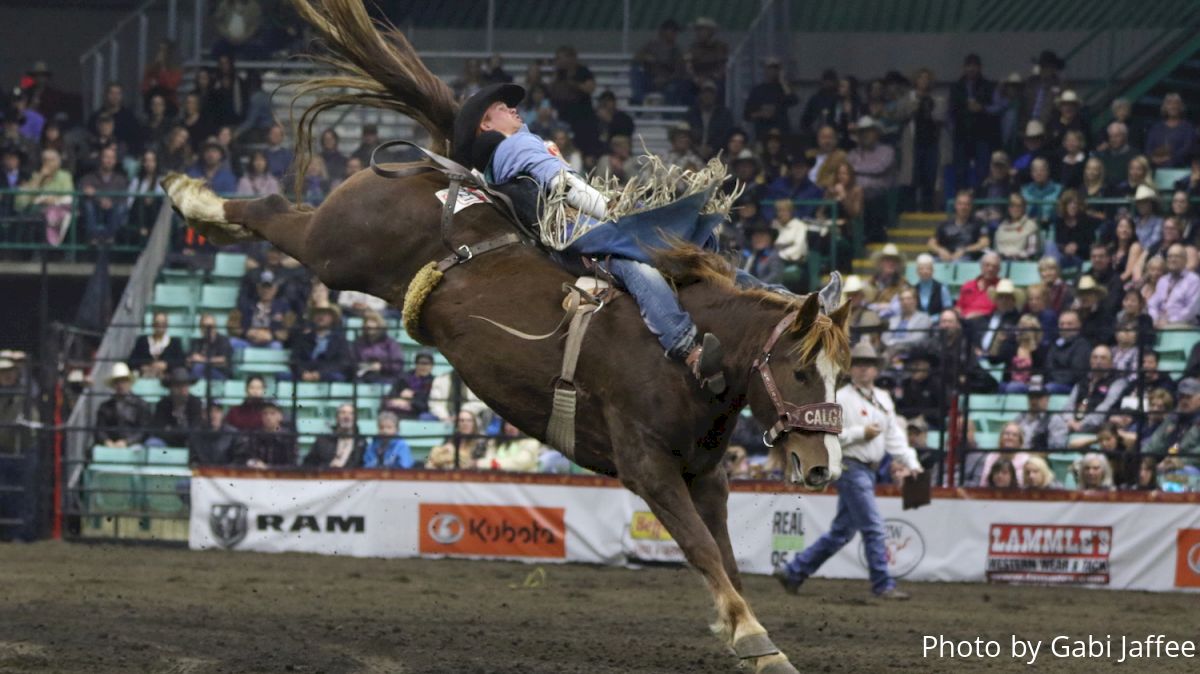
<point x="856" y="512"/>
<point x="658" y="304"/>
<point x="103" y="224"/>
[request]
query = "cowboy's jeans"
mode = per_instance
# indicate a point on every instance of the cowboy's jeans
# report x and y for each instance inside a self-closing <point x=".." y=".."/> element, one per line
<point x="658" y="304"/>
<point x="856" y="512"/>
<point x="745" y="280"/>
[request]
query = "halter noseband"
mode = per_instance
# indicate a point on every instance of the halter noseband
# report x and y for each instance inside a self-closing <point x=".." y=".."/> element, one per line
<point x="820" y="417"/>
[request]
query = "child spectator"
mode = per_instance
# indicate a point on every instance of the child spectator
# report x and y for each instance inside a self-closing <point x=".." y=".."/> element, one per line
<point x="1038" y="474"/>
<point x="386" y="449"/>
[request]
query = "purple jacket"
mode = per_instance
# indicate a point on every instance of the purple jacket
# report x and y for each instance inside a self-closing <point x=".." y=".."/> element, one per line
<point x="386" y="351"/>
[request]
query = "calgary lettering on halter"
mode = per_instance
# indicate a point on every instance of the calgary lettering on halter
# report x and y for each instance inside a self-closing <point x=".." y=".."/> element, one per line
<point x="825" y="416"/>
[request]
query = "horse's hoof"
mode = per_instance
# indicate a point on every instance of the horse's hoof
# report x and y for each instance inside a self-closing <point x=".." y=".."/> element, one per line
<point x="777" y="666"/>
<point x="754" y="646"/>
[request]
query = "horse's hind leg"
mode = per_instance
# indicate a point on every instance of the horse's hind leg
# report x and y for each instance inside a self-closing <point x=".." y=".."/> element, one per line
<point x="226" y="221"/>
<point x="657" y="480"/>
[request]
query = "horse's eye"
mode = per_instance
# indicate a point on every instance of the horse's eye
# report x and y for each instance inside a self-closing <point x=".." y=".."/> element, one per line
<point x="801" y="376"/>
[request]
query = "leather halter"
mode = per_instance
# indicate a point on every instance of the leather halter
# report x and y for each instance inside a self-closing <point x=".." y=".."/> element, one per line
<point x="820" y="417"/>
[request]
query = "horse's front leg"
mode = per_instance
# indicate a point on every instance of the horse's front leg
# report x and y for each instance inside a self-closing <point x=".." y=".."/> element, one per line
<point x="710" y="496"/>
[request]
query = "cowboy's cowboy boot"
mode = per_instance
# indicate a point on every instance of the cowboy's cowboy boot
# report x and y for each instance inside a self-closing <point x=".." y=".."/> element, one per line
<point x="704" y="360"/>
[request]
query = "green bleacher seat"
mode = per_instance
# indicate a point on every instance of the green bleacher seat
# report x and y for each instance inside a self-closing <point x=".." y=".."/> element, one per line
<point x="284" y="390"/>
<point x="160" y="493"/>
<point x="965" y="271"/>
<point x="149" y="389"/>
<point x="943" y="272"/>
<point x="933" y="439"/>
<point x="167" y="456"/>
<point x="255" y="360"/>
<point x="1165" y="178"/>
<point x="987" y="403"/>
<point x="1016" y="402"/>
<point x="1058" y="401"/>
<point x="173" y="298"/>
<point x="1177" y="344"/>
<point x="420" y="433"/>
<point x="110" y="489"/>
<point x="312" y="426"/>
<point x="987" y="440"/>
<point x="308" y="392"/>
<point x="218" y="297"/>
<point x="1024" y="273"/>
<point x="119" y="455"/>
<point x="228" y="267"/>
<point x="367" y="427"/>
<point x="205" y="387"/>
<point x="1060" y="463"/>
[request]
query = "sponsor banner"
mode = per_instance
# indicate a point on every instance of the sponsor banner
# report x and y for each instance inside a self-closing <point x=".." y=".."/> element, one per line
<point x="1049" y="554"/>
<point x="1128" y="545"/>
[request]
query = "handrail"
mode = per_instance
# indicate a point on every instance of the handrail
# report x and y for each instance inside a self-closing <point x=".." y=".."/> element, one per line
<point x="112" y="34"/>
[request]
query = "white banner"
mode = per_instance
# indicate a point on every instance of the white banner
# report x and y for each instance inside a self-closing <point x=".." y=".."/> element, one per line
<point x="1119" y="544"/>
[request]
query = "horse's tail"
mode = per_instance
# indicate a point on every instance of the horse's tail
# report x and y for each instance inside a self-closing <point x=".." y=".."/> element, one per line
<point x="378" y="65"/>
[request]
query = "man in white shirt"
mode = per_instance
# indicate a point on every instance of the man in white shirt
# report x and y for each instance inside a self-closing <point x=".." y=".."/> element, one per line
<point x="870" y="428"/>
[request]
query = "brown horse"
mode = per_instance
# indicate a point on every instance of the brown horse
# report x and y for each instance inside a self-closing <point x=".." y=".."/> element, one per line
<point x="641" y="417"/>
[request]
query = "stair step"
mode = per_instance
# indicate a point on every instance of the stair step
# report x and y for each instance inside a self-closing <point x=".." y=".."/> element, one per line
<point x="905" y="247"/>
<point x="922" y="217"/>
<point x="903" y="232"/>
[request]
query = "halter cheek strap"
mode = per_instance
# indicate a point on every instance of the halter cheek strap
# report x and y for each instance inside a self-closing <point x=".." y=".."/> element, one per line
<point x="820" y="417"/>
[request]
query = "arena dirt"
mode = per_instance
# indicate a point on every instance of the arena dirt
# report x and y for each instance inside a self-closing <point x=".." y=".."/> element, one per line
<point x="98" y="608"/>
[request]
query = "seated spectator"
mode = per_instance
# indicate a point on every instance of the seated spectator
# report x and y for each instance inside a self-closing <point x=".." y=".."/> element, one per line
<point x="760" y="258"/>
<point x="1041" y="192"/>
<point x="974" y="298"/>
<point x="1096" y="326"/>
<point x="409" y="397"/>
<point x="279" y="156"/>
<point x="963" y="236"/>
<point x="1180" y="432"/>
<point x="144" y="209"/>
<point x="1074" y="230"/>
<point x="320" y="352"/>
<point x="124" y="122"/>
<point x="1137" y="174"/>
<point x="888" y="280"/>
<point x="316" y="182"/>
<point x="179" y="413"/>
<point x="448" y="388"/>
<point x="569" y="153"/>
<point x="162" y="77"/>
<point x="1176" y="300"/>
<point x="792" y="241"/>
<point x="1018" y="236"/>
<point x="1147" y="474"/>
<point x="845" y="190"/>
<point x="1071" y="164"/>
<point x="922" y="394"/>
<point x="340" y="449"/>
<point x="335" y="161"/>
<point x="211" y="354"/>
<point x="775" y="160"/>
<point x="1153" y="378"/>
<point x="270" y="446"/>
<point x="1183" y="214"/>
<point x="1058" y="292"/>
<point x="1156" y="269"/>
<point x="89" y="157"/>
<point x="1037" y="303"/>
<point x="1069" y="355"/>
<point x="512" y="451"/>
<point x="1023" y="354"/>
<point x="571" y="92"/>
<point x="954" y="340"/>
<point x="1095" y="186"/>
<point x="932" y="296"/>
<point x="826" y="158"/>
<point x="1038" y="474"/>
<point x="177" y="153"/>
<point x="258" y="181"/>
<point x="546" y="123"/>
<point x="909" y="326"/>
<point x="47" y="199"/>
<point x="619" y="163"/>
<point x="1035" y="421"/>
<point x="157" y="352"/>
<point x="997" y="185"/>
<point x="874" y="165"/>
<point x="1126" y="250"/>
<point x="1093" y="473"/>
<point x="1121" y="456"/>
<point x="105" y="214"/>
<point x="1106" y="277"/>
<point x="1172" y="234"/>
<point x="1133" y="309"/>
<point x="124" y="419"/>
<point x="247" y="415"/>
<point x="1091" y="399"/>
<point x="1192" y="369"/>
<point x="997" y="329"/>
<point x="1035" y="147"/>
<point x="1067" y="119"/>
<point x="264" y="320"/>
<point x="386" y="449"/>
<point x="1002" y="475"/>
<point x="12" y="137"/>
<point x="196" y="120"/>
<point x="681" y="153"/>
<point x="1146" y="221"/>
<point x="1170" y="142"/>
<point x="707" y="54"/>
<point x="13" y="177"/>
<point x="1012" y="441"/>
<point x="796" y="185"/>
<point x="1114" y="156"/>
<point x="856" y="293"/>
<point x="212" y="169"/>
<point x="1125" y="353"/>
<point x="611" y="121"/>
<point x="379" y="357"/>
<point x="212" y="445"/>
<point x="369" y="140"/>
<point x="462" y="449"/>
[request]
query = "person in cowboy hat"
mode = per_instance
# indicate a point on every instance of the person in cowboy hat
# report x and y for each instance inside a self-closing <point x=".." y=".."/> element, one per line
<point x="759" y="257"/>
<point x="871" y="428"/>
<point x="681" y="153"/>
<point x="997" y="331"/>
<point x="1147" y="223"/>
<point x="769" y="100"/>
<point x="490" y="137"/>
<point x="1034" y="143"/>
<point x="123" y="420"/>
<point x="708" y="55"/>
<point x="1068" y="118"/>
<point x="321" y="352"/>
<point x="888" y="280"/>
<point x="179" y="413"/>
<point x="211" y="167"/>
<point x="1043" y="88"/>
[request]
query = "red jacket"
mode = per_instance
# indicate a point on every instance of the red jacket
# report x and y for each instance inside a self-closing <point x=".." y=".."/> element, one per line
<point x="973" y="299"/>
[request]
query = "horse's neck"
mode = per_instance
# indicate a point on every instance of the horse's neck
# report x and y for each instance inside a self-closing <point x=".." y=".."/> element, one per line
<point x="742" y="321"/>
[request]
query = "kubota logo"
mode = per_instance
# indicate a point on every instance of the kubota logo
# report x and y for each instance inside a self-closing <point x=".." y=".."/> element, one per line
<point x="445" y="528"/>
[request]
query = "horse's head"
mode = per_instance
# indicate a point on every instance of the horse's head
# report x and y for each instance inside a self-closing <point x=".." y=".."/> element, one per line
<point x="794" y="396"/>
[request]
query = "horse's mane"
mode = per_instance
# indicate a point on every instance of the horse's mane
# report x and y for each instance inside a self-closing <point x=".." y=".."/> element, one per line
<point x="379" y="67"/>
<point x="685" y="264"/>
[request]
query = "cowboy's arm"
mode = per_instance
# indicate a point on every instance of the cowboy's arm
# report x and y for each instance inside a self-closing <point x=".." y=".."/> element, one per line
<point x="525" y="153"/>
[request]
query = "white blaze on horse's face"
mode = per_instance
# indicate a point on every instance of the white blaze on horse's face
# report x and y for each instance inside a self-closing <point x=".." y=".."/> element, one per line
<point x="833" y="447"/>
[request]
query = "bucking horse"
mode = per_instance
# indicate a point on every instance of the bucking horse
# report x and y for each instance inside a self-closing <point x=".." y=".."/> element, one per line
<point x="639" y="417"/>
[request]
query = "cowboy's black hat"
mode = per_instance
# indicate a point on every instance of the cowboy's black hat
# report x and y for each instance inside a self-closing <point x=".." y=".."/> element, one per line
<point x="466" y="122"/>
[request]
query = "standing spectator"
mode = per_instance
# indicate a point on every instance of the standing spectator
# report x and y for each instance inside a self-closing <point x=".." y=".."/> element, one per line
<point x="335" y="161"/>
<point x="124" y="419"/>
<point x="279" y="156"/>
<point x="768" y="102"/>
<point x="196" y="120"/>
<point x="270" y="446"/>
<point x="48" y="200"/>
<point x="157" y="352"/>
<point x="230" y="93"/>
<point x="369" y="141"/>
<point x="247" y="415"/>
<point x="155" y="127"/>
<point x="760" y="259"/>
<point x="872" y="429"/>
<point x="998" y="185"/>
<point x="144" y="209"/>
<point x="1018" y="236"/>
<point x="342" y="448"/>
<point x="708" y="55"/>
<point x="162" y="77"/>
<point x="1041" y="192"/>
<point x="963" y="236"/>
<point x="378" y="356"/>
<point x="923" y="115"/>
<point x="125" y="124"/>
<point x="822" y="106"/>
<point x="1170" y="141"/>
<point x="213" y="444"/>
<point x="975" y="297"/>
<point x="1068" y="118"/>
<point x="932" y="296"/>
<point x="103" y="137"/>
<point x="658" y="66"/>
<point x="258" y="181"/>
<point x="975" y="127"/>
<point x="212" y="169"/>
<point x="409" y="397"/>
<point x="211" y="354"/>
<point x="1074" y="230"/>
<point x="681" y="153"/>
<point x="611" y="122"/>
<point x="320" y="352"/>
<point x="1094" y="394"/>
<point x="1035" y="147"/>
<point x="874" y="165"/>
<point x="1042" y="89"/>
<point x="1176" y="300"/>
<point x="1068" y="359"/>
<point x="264" y="318"/>
<point x="1117" y="151"/>
<point x="387" y="450"/>
<point x="105" y="213"/>
<point x="179" y="413"/>
<point x="797" y="186"/>
<point x="572" y="89"/>
<point x="13" y="177"/>
<point x="711" y="122"/>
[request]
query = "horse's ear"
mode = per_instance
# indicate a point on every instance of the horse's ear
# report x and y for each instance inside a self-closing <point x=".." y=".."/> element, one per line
<point x="841" y="316"/>
<point x="831" y="293"/>
<point x="809" y="311"/>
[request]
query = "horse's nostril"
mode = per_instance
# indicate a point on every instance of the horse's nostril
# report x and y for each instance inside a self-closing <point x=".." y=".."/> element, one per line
<point x="818" y="475"/>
